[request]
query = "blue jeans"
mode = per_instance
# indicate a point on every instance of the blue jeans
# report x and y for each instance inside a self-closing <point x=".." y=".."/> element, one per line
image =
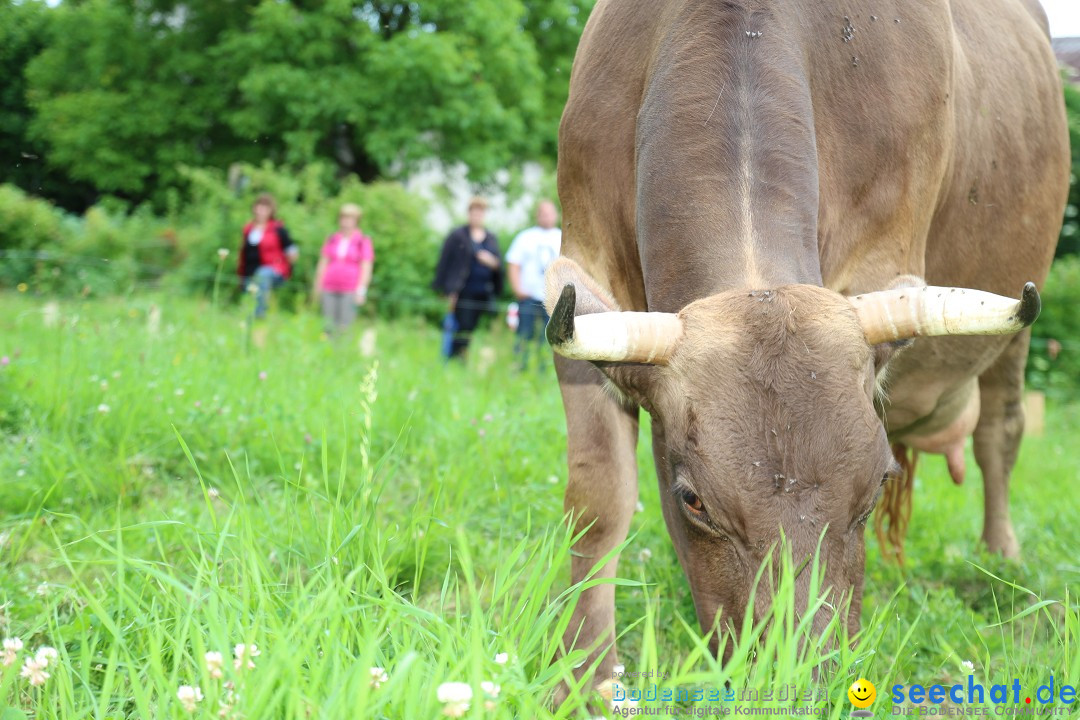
<point x="531" y="313"/>
<point x="266" y="279"/>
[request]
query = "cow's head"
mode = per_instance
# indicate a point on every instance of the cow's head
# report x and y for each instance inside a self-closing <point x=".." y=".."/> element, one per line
<point x="763" y="414"/>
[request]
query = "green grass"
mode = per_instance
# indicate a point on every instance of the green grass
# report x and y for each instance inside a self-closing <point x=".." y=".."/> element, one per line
<point x="347" y="512"/>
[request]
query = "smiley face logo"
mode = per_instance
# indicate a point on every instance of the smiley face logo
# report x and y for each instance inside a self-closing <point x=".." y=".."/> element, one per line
<point x="862" y="693"/>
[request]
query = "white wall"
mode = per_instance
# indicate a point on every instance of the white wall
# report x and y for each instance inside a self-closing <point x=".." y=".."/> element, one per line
<point x="447" y="192"/>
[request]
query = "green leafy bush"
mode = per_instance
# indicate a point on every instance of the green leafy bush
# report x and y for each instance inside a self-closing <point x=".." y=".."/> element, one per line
<point x="1054" y="362"/>
<point x="110" y="250"/>
<point x="308" y="203"/>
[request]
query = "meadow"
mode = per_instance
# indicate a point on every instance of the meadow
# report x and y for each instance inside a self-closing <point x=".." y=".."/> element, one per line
<point x="168" y="489"/>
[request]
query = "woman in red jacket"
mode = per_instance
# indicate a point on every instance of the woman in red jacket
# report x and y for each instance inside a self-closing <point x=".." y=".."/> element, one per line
<point x="266" y="252"/>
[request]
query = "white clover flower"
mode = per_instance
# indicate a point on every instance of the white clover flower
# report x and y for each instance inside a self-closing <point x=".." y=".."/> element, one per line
<point x="214" y="495"/>
<point x="103" y="408"/>
<point x="12" y="646"/>
<point x="455" y="697"/>
<point x="223" y="253"/>
<point x="214" y="662"/>
<point x="968" y="666"/>
<point x="42" y="590"/>
<point x="34" y="671"/>
<point x="244" y="653"/>
<point x="645" y="555"/>
<point x="46" y="655"/>
<point x="491" y="692"/>
<point x="378" y="677"/>
<point x="189" y="697"/>
<point x="501" y="658"/>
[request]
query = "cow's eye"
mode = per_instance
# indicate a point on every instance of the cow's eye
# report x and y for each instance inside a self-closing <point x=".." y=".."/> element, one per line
<point x="877" y="496"/>
<point x="692" y="502"/>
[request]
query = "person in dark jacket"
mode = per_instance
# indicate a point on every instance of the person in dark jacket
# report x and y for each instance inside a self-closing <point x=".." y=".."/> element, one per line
<point x="469" y="273"/>
<point x="267" y="252"/>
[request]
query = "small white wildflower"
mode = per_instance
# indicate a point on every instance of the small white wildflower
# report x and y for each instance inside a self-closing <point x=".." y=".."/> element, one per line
<point x="242" y="653"/>
<point x="455" y="697"/>
<point x="501" y="658"/>
<point x="12" y="646"/>
<point x="46" y="655"/>
<point x="378" y="676"/>
<point x="189" y="697"/>
<point x="214" y="662"/>
<point x="491" y="691"/>
<point x="50" y="314"/>
<point x="178" y="392"/>
<point x="153" y="320"/>
<point x="42" y="590"/>
<point x="553" y="479"/>
<point x="645" y="555"/>
<point x="223" y="253"/>
<point x="214" y="495"/>
<point x="367" y="343"/>
<point x="34" y="671"/>
<point x="103" y="408"/>
<point x="640" y="507"/>
<point x="968" y="666"/>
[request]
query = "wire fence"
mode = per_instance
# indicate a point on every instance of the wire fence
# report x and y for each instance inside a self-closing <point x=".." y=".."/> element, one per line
<point x="149" y="277"/>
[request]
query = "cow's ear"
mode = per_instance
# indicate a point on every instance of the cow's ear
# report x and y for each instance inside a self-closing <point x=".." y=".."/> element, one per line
<point x="884" y="352"/>
<point x="590" y="295"/>
<point x="631" y="380"/>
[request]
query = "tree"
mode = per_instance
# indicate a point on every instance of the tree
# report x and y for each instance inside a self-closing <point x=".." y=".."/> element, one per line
<point x="1069" y="244"/>
<point x="23" y="34"/>
<point x="555" y="27"/>
<point x="125" y="91"/>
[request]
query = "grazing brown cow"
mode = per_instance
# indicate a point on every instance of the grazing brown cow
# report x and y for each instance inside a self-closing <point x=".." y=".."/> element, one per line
<point x="775" y="182"/>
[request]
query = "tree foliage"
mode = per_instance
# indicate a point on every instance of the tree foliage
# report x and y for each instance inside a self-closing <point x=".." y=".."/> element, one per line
<point x="1070" y="231"/>
<point x="118" y="93"/>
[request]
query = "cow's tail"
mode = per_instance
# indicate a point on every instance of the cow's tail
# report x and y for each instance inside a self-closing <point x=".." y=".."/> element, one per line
<point x="894" y="510"/>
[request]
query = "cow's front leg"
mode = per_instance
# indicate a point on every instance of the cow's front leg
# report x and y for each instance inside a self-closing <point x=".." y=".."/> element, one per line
<point x="997" y="441"/>
<point x="601" y="492"/>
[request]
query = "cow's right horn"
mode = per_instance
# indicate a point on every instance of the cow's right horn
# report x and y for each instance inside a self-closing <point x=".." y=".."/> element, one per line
<point x="903" y="313"/>
<point x="636" y="337"/>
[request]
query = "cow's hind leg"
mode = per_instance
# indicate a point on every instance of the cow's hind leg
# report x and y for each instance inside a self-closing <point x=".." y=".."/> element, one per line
<point x="601" y="437"/>
<point x="997" y="441"/>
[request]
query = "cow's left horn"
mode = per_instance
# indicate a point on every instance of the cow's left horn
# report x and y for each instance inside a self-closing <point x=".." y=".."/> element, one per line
<point x="641" y="337"/>
<point x="909" y="312"/>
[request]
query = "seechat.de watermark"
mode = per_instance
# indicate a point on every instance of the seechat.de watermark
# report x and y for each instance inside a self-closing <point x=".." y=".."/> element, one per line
<point x="996" y="699"/>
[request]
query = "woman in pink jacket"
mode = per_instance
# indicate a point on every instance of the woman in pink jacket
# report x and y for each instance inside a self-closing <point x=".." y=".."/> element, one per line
<point x="344" y="271"/>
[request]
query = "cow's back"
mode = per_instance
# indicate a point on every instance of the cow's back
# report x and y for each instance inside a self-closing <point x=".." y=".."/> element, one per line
<point x="940" y="142"/>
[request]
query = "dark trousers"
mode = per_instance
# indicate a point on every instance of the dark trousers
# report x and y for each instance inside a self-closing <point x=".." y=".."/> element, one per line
<point x="532" y="322"/>
<point x="470" y="307"/>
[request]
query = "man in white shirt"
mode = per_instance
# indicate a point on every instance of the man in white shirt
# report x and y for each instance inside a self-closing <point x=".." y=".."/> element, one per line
<point x="527" y="260"/>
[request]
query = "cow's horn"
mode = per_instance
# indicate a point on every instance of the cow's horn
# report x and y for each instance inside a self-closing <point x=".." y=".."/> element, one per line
<point x="637" y="337"/>
<point x="909" y="312"/>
